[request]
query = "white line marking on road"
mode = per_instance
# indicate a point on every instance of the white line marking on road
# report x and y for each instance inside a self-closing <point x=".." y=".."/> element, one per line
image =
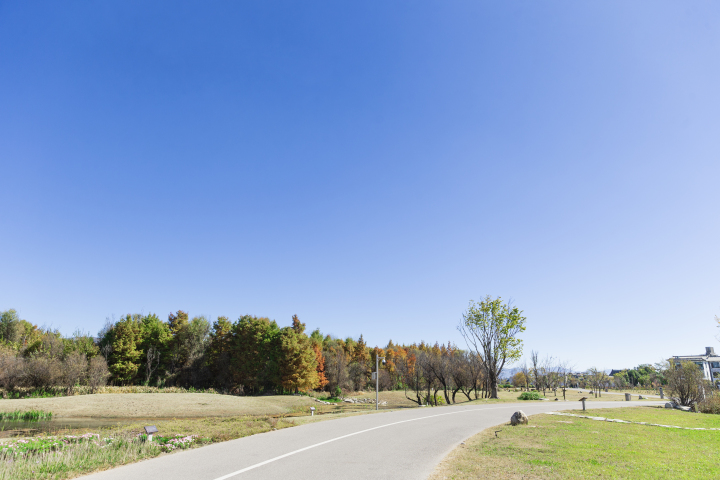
<point x="252" y="467"/>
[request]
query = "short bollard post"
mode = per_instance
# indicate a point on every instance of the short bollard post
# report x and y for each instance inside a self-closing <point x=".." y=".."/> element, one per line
<point x="662" y="395"/>
<point x="312" y="411"/>
<point x="583" y="402"/>
<point x="627" y="397"/>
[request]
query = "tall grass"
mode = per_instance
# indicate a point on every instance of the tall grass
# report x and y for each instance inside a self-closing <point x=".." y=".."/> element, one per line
<point x="29" y="416"/>
<point x="63" y="457"/>
<point x="69" y="456"/>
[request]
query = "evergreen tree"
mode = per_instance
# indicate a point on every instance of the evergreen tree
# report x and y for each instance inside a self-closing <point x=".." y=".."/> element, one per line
<point x="298" y="365"/>
<point x="125" y="357"/>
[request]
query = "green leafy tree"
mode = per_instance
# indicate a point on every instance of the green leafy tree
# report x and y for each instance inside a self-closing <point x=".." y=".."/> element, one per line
<point x="82" y="343"/>
<point x="219" y="351"/>
<point x="177" y="320"/>
<point x="490" y="328"/>
<point x="255" y="351"/>
<point x="176" y="323"/>
<point x="125" y="358"/>
<point x="10" y="327"/>
<point x="155" y="342"/>
<point x="686" y="383"/>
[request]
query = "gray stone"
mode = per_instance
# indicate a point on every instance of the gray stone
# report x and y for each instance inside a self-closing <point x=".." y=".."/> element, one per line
<point x="518" y="418"/>
<point x="684" y="409"/>
<point x="669" y="405"/>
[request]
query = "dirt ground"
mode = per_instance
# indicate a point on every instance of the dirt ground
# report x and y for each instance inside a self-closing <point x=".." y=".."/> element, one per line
<point x="160" y="405"/>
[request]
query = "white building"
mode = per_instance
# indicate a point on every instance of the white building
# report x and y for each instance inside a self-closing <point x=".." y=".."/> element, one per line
<point x="708" y="363"/>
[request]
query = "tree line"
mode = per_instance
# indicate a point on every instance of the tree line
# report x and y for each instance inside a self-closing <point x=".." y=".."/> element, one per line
<point x="35" y="358"/>
<point x="254" y="355"/>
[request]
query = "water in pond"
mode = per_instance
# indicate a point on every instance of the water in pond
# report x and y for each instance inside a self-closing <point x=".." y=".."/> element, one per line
<point x="21" y="428"/>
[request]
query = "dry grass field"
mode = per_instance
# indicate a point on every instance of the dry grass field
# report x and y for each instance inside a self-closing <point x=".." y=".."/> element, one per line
<point x="153" y="405"/>
<point x="197" y="405"/>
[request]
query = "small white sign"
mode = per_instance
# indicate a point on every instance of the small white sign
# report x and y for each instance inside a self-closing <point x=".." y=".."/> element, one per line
<point x="374" y="375"/>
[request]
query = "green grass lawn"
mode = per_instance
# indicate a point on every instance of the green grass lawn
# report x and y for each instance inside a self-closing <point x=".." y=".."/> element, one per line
<point x="568" y="447"/>
<point x="652" y="414"/>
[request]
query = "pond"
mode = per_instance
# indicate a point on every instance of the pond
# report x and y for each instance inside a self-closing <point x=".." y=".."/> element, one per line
<point x="22" y="428"/>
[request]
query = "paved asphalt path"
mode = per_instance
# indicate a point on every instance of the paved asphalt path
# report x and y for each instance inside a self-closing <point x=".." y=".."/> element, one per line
<point x="405" y="444"/>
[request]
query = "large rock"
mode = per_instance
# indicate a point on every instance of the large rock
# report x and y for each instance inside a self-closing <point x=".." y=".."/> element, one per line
<point x="669" y="405"/>
<point x="518" y="418"/>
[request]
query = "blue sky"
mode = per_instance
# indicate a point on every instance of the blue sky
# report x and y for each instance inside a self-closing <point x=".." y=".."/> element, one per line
<point x="370" y="167"/>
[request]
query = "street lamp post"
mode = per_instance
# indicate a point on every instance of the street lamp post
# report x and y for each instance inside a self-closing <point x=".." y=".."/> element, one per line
<point x="377" y="380"/>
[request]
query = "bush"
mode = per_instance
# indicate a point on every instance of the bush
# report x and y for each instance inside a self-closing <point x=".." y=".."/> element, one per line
<point x="710" y="405"/>
<point x="529" y="396"/>
<point x="686" y="384"/>
<point x="437" y="400"/>
<point x="337" y="391"/>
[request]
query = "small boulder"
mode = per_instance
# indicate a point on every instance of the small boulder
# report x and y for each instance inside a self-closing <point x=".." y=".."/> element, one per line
<point x="669" y="405"/>
<point x="518" y="418"/>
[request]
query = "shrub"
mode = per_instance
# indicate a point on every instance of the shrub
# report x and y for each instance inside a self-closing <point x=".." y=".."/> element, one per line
<point x="710" y="405"/>
<point x="686" y="384"/>
<point x="337" y="391"/>
<point x="529" y="396"/>
<point x="437" y="400"/>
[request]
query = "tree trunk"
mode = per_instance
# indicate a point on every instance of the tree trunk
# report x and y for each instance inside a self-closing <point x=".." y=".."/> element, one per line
<point x="445" y="392"/>
<point x="455" y="390"/>
<point x="492" y="378"/>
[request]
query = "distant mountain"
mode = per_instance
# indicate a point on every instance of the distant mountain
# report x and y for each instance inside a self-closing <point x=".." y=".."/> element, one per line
<point x="508" y="373"/>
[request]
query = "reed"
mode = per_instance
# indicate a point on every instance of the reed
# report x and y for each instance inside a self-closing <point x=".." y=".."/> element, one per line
<point x="28" y="416"/>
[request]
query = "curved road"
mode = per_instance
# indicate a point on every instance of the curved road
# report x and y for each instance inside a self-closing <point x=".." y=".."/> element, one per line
<point x="405" y="444"/>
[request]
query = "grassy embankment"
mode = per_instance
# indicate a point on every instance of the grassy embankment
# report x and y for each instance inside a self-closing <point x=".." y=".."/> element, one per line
<point x="556" y="447"/>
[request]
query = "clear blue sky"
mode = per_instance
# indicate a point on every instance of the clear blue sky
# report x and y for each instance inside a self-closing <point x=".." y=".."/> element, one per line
<point x="369" y="166"/>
